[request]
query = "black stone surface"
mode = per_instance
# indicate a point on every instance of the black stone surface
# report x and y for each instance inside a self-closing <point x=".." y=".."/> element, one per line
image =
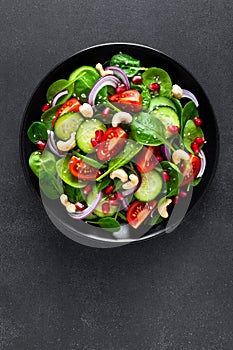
<point x="170" y="293"/>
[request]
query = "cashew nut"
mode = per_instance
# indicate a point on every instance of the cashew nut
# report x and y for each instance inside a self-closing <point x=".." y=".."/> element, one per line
<point x="177" y="92"/>
<point x="178" y="155"/>
<point x="64" y="199"/>
<point x="67" y="145"/>
<point x="132" y="183"/>
<point x="162" y="208"/>
<point x="120" y="174"/>
<point x="86" y="110"/>
<point x="71" y="208"/>
<point x="101" y="70"/>
<point x="120" y="117"/>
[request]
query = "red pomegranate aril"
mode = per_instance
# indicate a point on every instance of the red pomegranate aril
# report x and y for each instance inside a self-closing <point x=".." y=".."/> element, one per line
<point x="109" y="189"/>
<point x="98" y="135"/>
<point x="159" y="158"/>
<point x="200" y="140"/>
<point x="41" y="145"/>
<point x="45" y="107"/>
<point x="166" y="177"/>
<point x="183" y="194"/>
<point x="176" y="199"/>
<point x="198" y="121"/>
<point x="137" y="79"/>
<point x="106" y="112"/>
<point x="87" y="189"/>
<point x="173" y="129"/>
<point x="154" y="87"/>
<point x="105" y="208"/>
<point x="120" y="196"/>
<point x="114" y="202"/>
<point x="79" y="206"/>
<point x="195" y="147"/>
<point x="94" y="142"/>
<point x="121" y="88"/>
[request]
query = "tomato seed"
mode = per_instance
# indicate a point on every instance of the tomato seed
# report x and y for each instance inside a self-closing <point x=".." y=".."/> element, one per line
<point x="137" y="79"/>
<point x="87" y="189"/>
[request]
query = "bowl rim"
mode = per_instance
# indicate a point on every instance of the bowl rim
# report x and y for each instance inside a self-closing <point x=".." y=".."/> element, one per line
<point x="217" y="150"/>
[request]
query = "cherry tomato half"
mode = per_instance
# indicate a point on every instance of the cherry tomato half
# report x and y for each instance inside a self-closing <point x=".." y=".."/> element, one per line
<point x="113" y="141"/>
<point x="146" y="160"/>
<point x="191" y="172"/>
<point x="72" y="105"/>
<point x="138" y="212"/>
<point x="82" y="170"/>
<point x="129" y="100"/>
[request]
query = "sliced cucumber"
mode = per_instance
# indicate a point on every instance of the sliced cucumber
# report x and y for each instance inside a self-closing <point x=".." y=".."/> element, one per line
<point x="66" y="124"/>
<point x="62" y="167"/>
<point x="86" y="132"/>
<point x="167" y="116"/>
<point x="98" y="210"/>
<point x="161" y="101"/>
<point x="150" y="187"/>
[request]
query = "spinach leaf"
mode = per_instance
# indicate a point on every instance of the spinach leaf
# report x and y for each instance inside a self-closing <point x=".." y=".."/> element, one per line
<point x="107" y="223"/>
<point x="160" y="76"/>
<point x="155" y="220"/>
<point x="48" y="116"/>
<point x="189" y="112"/>
<point x="58" y="86"/>
<point x="191" y="131"/>
<point x="128" y="64"/>
<point x="103" y="184"/>
<point x="74" y="194"/>
<point x="42" y="162"/>
<point x="172" y="186"/>
<point x="62" y="166"/>
<point x="130" y="150"/>
<point x="179" y="108"/>
<point x="196" y="181"/>
<point x="49" y="185"/>
<point x="37" y="132"/>
<point x="88" y="160"/>
<point x="145" y="93"/>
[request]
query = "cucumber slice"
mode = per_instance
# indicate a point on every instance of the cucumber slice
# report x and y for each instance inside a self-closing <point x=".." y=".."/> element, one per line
<point x="150" y="187"/>
<point x="62" y="167"/>
<point x="98" y="210"/>
<point x="161" y="101"/>
<point x="66" y="124"/>
<point x="86" y="132"/>
<point x="167" y="116"/>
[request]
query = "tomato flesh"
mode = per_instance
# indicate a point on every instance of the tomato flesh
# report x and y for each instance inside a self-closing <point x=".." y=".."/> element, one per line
<point x="191" y="173"/>
<point x="129" y="100"/>
<point x="82" y="170"/>
<point x="72" y="105"/>
<point x="112" y="143"/>
<point x="139" y="211"/>
<point x="146" y="160"/>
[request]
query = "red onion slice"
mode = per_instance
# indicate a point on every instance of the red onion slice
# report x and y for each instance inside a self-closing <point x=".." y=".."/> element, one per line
<point x="190" y="95"/>
<point x="51" y="144"/>
<point x="166" y="152"/>
<point x="107" y="80"/>
<point x="57" y="96"/>
<point x="203" y="164"/>
<point x="86" y="212"/>
<point x="121" y="74"/>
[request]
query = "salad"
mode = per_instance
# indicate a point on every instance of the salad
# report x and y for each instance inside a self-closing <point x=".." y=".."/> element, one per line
<point x="117" y="143"/>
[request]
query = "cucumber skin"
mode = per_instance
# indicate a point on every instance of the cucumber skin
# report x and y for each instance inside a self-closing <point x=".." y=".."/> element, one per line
<point x="86" y="132"/>
<point x="151" y="178"/>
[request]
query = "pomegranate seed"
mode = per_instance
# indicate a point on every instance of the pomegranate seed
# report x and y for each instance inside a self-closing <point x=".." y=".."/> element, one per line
<point x="94" y="142"/>
<point x="45" y="107"/>
<point x="159" y="158"/>
<point x="98" y="135"/>
<point x="79" y="206"/>
<point x="157" y="150"/>
<point x="154" y="87"/>
<point x="41" y="145"/>
<point x="173" y="129"/>
<point x="137" y="79"/>
<point x="176" y="199"/>
<point x="87" y="189"/>
<point x="105" y="208"/>
<point x="114" y="202"/>
<point x="121" y="88"/>
<point x="109" y="189"/>
<point x="166" y="177"/>
<point x="195" y="147"/>
<point x="200" y="140"/>
<point x="120" y="196"/>
<point x="198" y="121"/>
<point x="183" y="194"/>
<point x="106" y="112"/>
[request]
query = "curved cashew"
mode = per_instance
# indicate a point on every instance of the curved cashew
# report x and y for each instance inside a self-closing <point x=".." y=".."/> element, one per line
<point x="120" y="117"/>
<point x="132" y="183"/>
<point x="177" y="92"/>
<point x="101" y="71"/>
<point x="162" y="208"/>
<point x="71" y="208"/>
<point x="178" y="155"/>
<point x="120" y="174"/>
<point x="64" y="199"/>
<point x="67" y="145"/>
<point x="86" y="110"/>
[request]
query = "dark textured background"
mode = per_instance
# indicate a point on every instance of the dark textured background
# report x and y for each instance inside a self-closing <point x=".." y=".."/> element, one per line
<point x="170" y="293"/>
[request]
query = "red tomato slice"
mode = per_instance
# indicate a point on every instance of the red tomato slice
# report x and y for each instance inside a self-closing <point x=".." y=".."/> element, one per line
<point x="72" y="105"/>
<point x="146" y="160"/>
<point x="191" y="173"/>
<point x="129" y="100"/>
<point x="113" y="141"/>
<point x="82" y="170"/>
<point x="138" y="212"/>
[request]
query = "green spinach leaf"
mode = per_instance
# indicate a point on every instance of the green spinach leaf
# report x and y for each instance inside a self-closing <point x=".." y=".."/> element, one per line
<point x="189" y="112"/>
<point x="74" y="194"/>
<point x="58" y="86"/>
<point x="191" y="132"/>
<point x="48" y="116"/>
<point x="62" y="166"/>
<point x="88" y="160"/>
<point x="160" y="76"/>
<point x="172" y="186"/>
<point x="49" y="185"/>
<point x="103" y="184"/>
<point x="107" y="223"/>
<point x="145" y="93"/>
<point x="128" y="64"/>
<point x="42" y="162"/>
<point x="37" y="132"/>
<point x="196" y="181"/>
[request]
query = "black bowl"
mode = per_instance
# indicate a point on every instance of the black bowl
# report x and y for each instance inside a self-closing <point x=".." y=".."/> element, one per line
<point x="149" y="57"/>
